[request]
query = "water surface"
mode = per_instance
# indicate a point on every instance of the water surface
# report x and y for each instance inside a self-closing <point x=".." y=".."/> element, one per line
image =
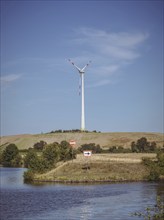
<point x="21" y="201"/>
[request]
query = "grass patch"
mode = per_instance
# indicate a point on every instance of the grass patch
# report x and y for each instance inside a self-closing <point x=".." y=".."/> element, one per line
<point x="97" y="172"/>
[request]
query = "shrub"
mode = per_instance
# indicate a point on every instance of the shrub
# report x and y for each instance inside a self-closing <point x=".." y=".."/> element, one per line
<point x="92" y="146"/>
<point x="154" y="212"/>
<point x="156" y="167"/>
<point x="28" y="176"/>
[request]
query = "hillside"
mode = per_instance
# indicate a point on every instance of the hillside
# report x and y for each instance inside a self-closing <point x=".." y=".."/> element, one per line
<point x="99" y="168"/>
<point x="105" y="140"/>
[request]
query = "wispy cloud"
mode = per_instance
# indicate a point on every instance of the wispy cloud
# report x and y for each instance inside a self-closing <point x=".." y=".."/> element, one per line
<point x="110" y="51"/>
<point x="100" y="83"/>
<point x="10" y="78"/>
<point x="121" y="45"/>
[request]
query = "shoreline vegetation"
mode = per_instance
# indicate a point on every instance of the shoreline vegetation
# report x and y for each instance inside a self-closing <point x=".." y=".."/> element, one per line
<point x="141" y="160"/>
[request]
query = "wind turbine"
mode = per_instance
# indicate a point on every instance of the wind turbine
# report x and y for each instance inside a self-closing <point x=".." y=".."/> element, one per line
<point x="81" y="72"/>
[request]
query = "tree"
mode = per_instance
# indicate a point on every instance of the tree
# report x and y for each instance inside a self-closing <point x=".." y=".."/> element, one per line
<point x="66" y="151"/>
<point x="17" y="161"/>
<point x="30" y="159"/>
<point x="52" y="153"/>
<point x="9" y="154"/>
<point x="39" y="145"/>
<point x="143" y="145"/>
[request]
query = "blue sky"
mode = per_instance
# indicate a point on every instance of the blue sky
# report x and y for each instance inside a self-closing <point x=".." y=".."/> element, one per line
<point x="123" y="84"/>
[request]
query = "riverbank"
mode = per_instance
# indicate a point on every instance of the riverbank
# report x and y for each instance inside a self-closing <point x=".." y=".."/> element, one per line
<point x="99" y="168"/>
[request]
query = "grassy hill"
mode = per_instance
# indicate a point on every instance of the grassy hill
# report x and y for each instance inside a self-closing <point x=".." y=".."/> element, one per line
<point x="99" y="168"/>
<point x="105" y="140"/>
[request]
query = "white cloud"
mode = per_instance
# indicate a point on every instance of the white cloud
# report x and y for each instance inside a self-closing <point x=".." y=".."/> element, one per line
<point x="106" y="70"/>
<point x="109" y="51"/>
<point x="9" y="78"/>
<point x="121" y="45"/>
<point x="100" y="83"/>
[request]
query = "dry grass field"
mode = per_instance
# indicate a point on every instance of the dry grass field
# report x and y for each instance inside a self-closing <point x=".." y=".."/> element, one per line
<point x="99" y="167"/>
<point x="105" y="140"/>
<point x="120" y="157"/>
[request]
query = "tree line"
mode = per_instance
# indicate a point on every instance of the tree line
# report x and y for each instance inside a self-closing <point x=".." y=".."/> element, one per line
<point x="41" y="157"/>
<point x="74" y="131"/>
<point x="45" y="155"/>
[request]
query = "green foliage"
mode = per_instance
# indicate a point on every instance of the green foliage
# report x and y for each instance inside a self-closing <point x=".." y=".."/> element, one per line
<point x="118" y="149"/>
<point x="17" y="161"/>
<point x="160" y="157"/>
<point x="10" y="156"/>
<point x="30" y="159"/>
<point x="36" y="163"/>
<point x="0" y="157"/>
<point x="28" y="176"/>
<point x="92" y="146"/>
<point x="142" y="145"/>
<point x="156" y="167"/>
<point x="155" y="212"/>
<point x="39" y="145"/>
<point x="52" y="153"/>
<point x="66" y="151"/>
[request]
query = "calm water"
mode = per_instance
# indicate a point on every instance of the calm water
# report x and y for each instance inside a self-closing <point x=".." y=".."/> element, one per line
<point x="21" y="201"/>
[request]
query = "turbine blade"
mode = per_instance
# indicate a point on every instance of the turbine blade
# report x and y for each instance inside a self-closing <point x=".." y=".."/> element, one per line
<point x="86" y="66"/>
<point x="74" y="65"/>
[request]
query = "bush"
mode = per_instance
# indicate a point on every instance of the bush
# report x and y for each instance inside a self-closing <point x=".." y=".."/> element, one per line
<point x="92" y="146"/>
<point x="28" y="176"/>
<point x="156" y="167"/>
<point x="118" y="149"/>
<point x="154" y="175"/>
<point x="154" y="212"/>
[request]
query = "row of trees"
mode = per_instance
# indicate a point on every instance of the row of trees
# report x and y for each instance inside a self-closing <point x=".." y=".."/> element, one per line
<point x="38" y="161"/>
<point x="11" y="155"/>
<point x="73" y="131"/>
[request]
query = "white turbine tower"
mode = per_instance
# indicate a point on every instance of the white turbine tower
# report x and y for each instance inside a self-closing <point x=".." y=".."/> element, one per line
<point x="81" y="72"/>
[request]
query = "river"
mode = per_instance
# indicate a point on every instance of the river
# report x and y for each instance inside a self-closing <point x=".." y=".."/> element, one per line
<point x="117" y="201"/>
